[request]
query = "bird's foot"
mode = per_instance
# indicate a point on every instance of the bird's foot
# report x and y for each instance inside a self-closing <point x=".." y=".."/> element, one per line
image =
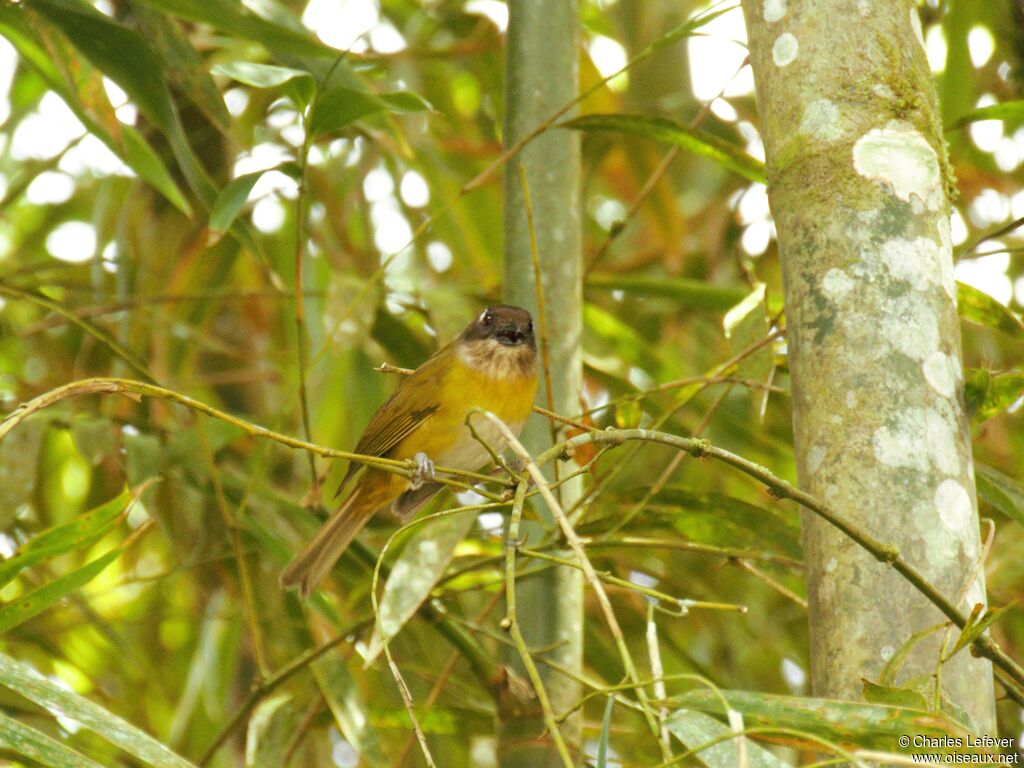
<point x="424" y="470"/>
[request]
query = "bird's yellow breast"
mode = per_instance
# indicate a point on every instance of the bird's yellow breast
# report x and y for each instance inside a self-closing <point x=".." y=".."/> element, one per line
<point x="507" y="391"/>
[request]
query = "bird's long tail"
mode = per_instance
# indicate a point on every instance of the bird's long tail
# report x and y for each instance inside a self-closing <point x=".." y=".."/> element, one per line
<point x="314" y="562"/>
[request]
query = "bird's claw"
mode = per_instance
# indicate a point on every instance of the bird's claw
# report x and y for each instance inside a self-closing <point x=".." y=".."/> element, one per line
<point x="424" y="470"/>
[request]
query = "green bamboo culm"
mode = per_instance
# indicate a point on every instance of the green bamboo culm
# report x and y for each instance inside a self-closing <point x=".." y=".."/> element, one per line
<point x="541" y="76"/>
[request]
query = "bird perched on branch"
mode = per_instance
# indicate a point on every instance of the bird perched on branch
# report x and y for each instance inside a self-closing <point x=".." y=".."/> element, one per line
<point x="492" y="365"/>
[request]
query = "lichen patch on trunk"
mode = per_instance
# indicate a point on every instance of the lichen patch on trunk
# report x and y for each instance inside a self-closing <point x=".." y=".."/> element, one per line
<point x="774" y="10"/>
<point x="900" y="157"/>
<point x="821" y="120"/>
<point x="785" y="49"/>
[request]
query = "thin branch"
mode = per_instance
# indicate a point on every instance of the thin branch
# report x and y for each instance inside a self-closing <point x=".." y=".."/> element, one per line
<point x="511" y="625"/>
<point x="244" y="577"/>
<point x="772" y="582"/>
<point x="1012" y="673"/>
<point x="133" y="390"/>
<point x="682" y="603"/>
<point x="666" y="162"/>
<point x="442" y="679"/>
<point x="577" y="546"/>
<point x="271" y="684"/>
<point x="542" y="315"/>
<point x="95" y="331"/>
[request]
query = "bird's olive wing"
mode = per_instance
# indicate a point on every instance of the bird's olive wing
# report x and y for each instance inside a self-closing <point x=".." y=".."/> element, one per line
<point x="409" y="406"/>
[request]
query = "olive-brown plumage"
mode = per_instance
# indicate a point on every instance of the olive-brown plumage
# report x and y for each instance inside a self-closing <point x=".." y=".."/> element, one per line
<point x="492" y="365"/>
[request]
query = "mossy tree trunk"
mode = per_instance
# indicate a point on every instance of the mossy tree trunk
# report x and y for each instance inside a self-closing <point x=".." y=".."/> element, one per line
<point x="541" y="76"/>
<point x="858" y="181"/>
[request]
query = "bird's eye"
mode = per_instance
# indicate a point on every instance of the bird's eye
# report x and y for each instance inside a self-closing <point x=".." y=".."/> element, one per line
<point x="529" y="326"/>
<point x="486" y="318"/>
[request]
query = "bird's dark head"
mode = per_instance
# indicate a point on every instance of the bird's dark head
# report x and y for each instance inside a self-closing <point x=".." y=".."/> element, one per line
<point x="509" y="326"/>
<point x="500" y="342"/>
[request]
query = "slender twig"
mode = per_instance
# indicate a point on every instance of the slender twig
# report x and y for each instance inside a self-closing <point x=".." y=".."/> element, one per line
<point x="997" y="232"/>
<point x="511" y="625"/>
<point x="99" y="310"/>
<point x="410" y="707"/>
<point x="588" y="569"/>
<point x="134" y="389"/>
<point x="104" y="338"/>
<point x="542" y="315"/>
<point x="315" y="708"/>
<point x="1010" y="673"/>
<point x="299" y="258"/>
<point x="442" y="679"/>
<point x="646" y="543"/>
<point x="666" y="162"/>
<point x="659" y="688"/>
<point x="683" y="604"/>
<point x="271" y="684"/>
<point x="888" y="554"/>
<point x="681" y="400"/>
<point x="772" y="582"/>
<point x="244" y="577"/>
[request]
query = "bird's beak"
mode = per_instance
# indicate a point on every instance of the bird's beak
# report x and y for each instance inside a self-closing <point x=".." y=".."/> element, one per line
<point x="509" y="335"/>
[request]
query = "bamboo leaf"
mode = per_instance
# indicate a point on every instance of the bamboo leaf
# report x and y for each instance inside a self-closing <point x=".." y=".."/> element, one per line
<point x="1003" y="390"/>
<point x="980" y="308"/>
<point x="84" y="531"/>
<point x="979" y="621"/>
<point x="419" y="567"/>
<point x="667" y="131"/>
<point x="1007" y="110"/>
<point x="690" y="294"/>
<point x="695" y="729"/>
<point x="977" y="382"/>
<point x="1001" y="491"/>
<point x="182" y="64"/>
<point x="271" y="728"/>
<point x="25" y="607"/>
<point x="231" y="200"/>
<point x="94" y="437"/>
<point x="346" y="704"/>
<point x="131" y="148"/>
<point x="235" y="19"/>
<point x="124" y="57"/>
<point x="876" y="693"/>
<point x="297" y="83"/>
<point x="869" y="726"/>
<point x="19" y="459"/>
<point x="720" y="519"/>
<point x="36" y="745"/>
<point x="117" y="51"/>
<point x="144" y="160"/>
<point x="33" y="686"/>
<point x="688" y="27"/>
<point x="339" y="107"/>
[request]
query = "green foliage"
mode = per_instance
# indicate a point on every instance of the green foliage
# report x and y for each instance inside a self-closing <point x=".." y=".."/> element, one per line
<point x="699" y="142"/>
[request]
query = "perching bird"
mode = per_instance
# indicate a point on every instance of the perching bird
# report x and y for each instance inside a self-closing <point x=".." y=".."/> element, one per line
<point x="492" y="365"/>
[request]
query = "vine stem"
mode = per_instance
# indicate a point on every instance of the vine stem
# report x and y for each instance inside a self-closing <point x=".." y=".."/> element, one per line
<point x="588" y="569"/>
<point x="511" y="625"/>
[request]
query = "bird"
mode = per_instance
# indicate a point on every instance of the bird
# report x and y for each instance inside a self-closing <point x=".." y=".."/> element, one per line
<point x="491" y="365"/>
